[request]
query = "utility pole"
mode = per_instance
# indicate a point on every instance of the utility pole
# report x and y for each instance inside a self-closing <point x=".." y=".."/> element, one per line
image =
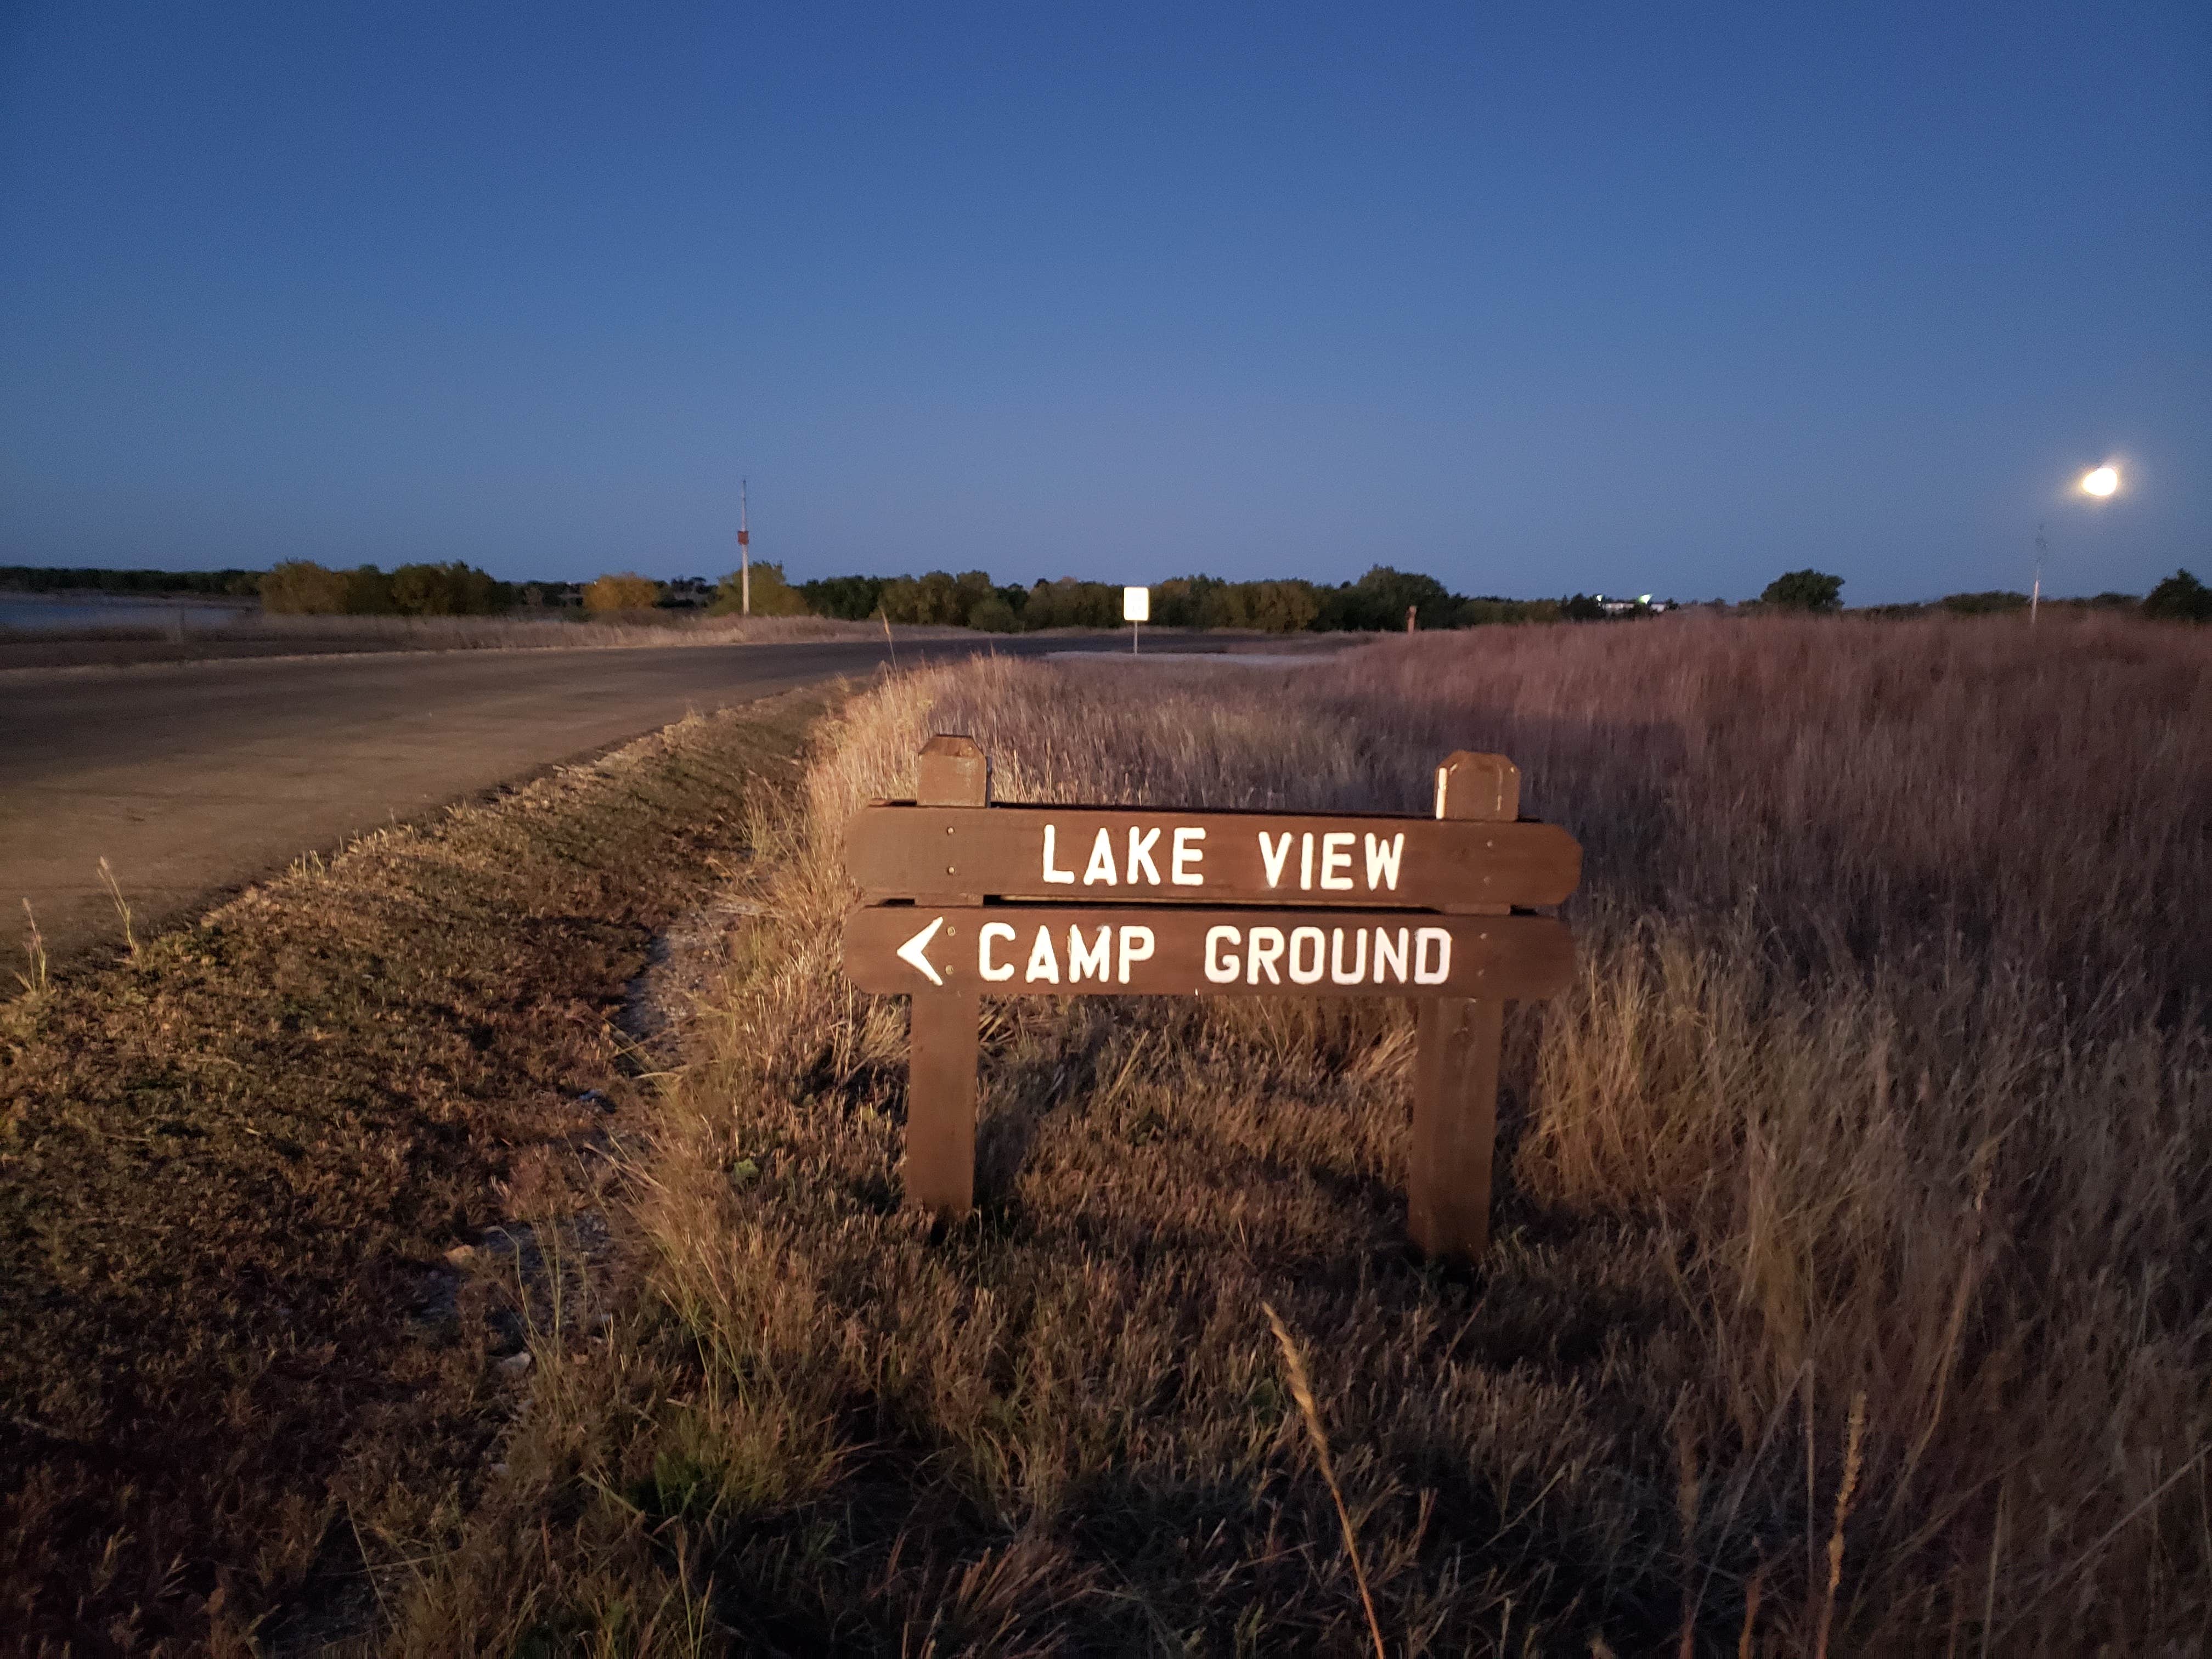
<point x="2035" y="596"/>
<point x="745" y="556"/>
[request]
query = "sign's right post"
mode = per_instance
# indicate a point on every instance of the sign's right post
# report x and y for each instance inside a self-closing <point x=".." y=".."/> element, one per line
<point x="1455" y="1064"/>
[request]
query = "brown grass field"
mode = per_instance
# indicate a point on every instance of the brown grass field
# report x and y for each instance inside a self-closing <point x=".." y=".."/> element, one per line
<point x="1854" y="1224"/>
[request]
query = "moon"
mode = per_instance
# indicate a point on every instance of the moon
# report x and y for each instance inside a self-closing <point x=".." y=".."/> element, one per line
<point x="2103" y="481"/>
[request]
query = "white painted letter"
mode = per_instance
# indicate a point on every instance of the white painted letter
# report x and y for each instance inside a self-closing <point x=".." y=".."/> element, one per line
<point x="1382" y="861"/>
<point x="1301" y="938"/>
<point x="992" y="930"/>
<point x="1423" y="974"/>
<point x="1274" y="857"/>
<point x="1264" y="949"/>
<point x="1093" y="961"/>
<point x="1140" y="852"/>
<point x="1221" y="972"/>
<point x="1043" y="965"/>
<point x="1136" y="946"/>
<point x="1051" y="835"/>
<point x="1336" y="854"/>
<point x="1390" y="954"/>
<point x="1336" y="957"/>
<point x="1101" y="867"/>
<point x="1188" y="852"/>
<point x="1305" y="862"/>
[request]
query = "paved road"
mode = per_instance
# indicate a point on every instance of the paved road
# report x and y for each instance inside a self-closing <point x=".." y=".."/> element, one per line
<point x="195" y="778"/>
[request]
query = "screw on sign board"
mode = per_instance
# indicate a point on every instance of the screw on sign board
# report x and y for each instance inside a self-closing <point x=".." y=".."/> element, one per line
<point x="966" y="900"/>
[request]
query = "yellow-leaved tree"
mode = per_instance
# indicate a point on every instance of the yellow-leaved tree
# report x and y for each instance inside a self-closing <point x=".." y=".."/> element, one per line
<point x="626" y="591"/>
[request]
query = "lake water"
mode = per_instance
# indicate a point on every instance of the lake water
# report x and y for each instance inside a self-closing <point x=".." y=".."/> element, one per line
<point x="32" y="610"/>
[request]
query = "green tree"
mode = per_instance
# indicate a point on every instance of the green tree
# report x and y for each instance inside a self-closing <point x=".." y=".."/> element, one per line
<point x="1285" y="607"/>
<point x="2179" y="598"/>
<point x="1068" y="603"/>
<point x="972" y="588"/>
<point x="772" y="595"/>
<point x="937" y="598"/>
<point x="301" y="587"/>
<point x="994" y="615"/>
<point x="1379" y="601"/>
<point x="453" y="589"/>
<point x="1183" y="601"/>
<point x="940" y="602"/>
<point x="852" y="598"/>
<point x="368" y="592"/>
<point x="1804" y="590"/>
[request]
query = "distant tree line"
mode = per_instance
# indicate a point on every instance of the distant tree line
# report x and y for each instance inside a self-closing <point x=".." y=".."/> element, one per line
<point x="1377" y="602"/>
<point x="2179" y="598"/>
<point x="44" y="579"/>
<point x="301" y="587"/>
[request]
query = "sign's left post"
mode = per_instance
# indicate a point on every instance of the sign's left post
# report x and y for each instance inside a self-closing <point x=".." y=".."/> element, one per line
<point x="943" y="1023"/>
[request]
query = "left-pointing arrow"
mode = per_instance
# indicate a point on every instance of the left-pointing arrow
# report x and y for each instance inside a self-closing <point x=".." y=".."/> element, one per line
<point x="917" y="950"/>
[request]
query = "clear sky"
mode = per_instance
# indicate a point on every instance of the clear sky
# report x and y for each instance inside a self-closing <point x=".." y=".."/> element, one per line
<point x="1533" y="298"/>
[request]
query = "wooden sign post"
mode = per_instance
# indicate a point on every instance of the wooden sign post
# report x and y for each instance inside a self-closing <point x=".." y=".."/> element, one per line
<point x="966" y="900"/>
<point x="941" y="1030"/>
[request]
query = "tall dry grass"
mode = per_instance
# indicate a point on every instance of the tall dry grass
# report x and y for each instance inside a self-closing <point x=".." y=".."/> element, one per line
<point x="1856" y="1228"/>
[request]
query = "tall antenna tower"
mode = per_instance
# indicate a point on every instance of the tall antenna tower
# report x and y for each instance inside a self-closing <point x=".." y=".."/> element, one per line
<point x="744" y="555"/>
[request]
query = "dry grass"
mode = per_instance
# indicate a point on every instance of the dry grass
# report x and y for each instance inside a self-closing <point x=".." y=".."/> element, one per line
<point x="234" y="1359"/>
<point x="1855" y="1225"/>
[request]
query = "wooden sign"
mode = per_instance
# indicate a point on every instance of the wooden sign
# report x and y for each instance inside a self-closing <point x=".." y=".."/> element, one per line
<point x="1296" y="905"/>
<point x="1087" y="854"/>
<point x="1050" y="950"/>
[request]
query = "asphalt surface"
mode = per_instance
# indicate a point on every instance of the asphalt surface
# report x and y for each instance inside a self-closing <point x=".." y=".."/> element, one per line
<point x="193" y="780"/>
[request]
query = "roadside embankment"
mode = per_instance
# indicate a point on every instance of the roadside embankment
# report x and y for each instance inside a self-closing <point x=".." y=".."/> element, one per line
<point x="260" y="1181"/>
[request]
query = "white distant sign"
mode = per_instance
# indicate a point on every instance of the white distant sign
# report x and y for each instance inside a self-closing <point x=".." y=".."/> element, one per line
<point x="1136" y="605"/>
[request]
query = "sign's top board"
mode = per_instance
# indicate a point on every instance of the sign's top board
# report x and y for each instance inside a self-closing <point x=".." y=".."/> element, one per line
<point x="1090" y="854"/>
<point x="1069" y="951"/>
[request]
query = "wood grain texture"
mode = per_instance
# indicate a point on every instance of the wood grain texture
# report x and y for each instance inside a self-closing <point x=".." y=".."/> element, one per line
<point x="951" y="772"/>
<point x="1456" y="1059"/>
<point x="921" y="852"/>
<point x="1455" y="1126"/>
<point x="1135" y="950"/>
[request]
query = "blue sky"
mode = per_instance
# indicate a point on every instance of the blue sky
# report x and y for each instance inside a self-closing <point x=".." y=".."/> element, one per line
<point x="1534" y="299"/>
